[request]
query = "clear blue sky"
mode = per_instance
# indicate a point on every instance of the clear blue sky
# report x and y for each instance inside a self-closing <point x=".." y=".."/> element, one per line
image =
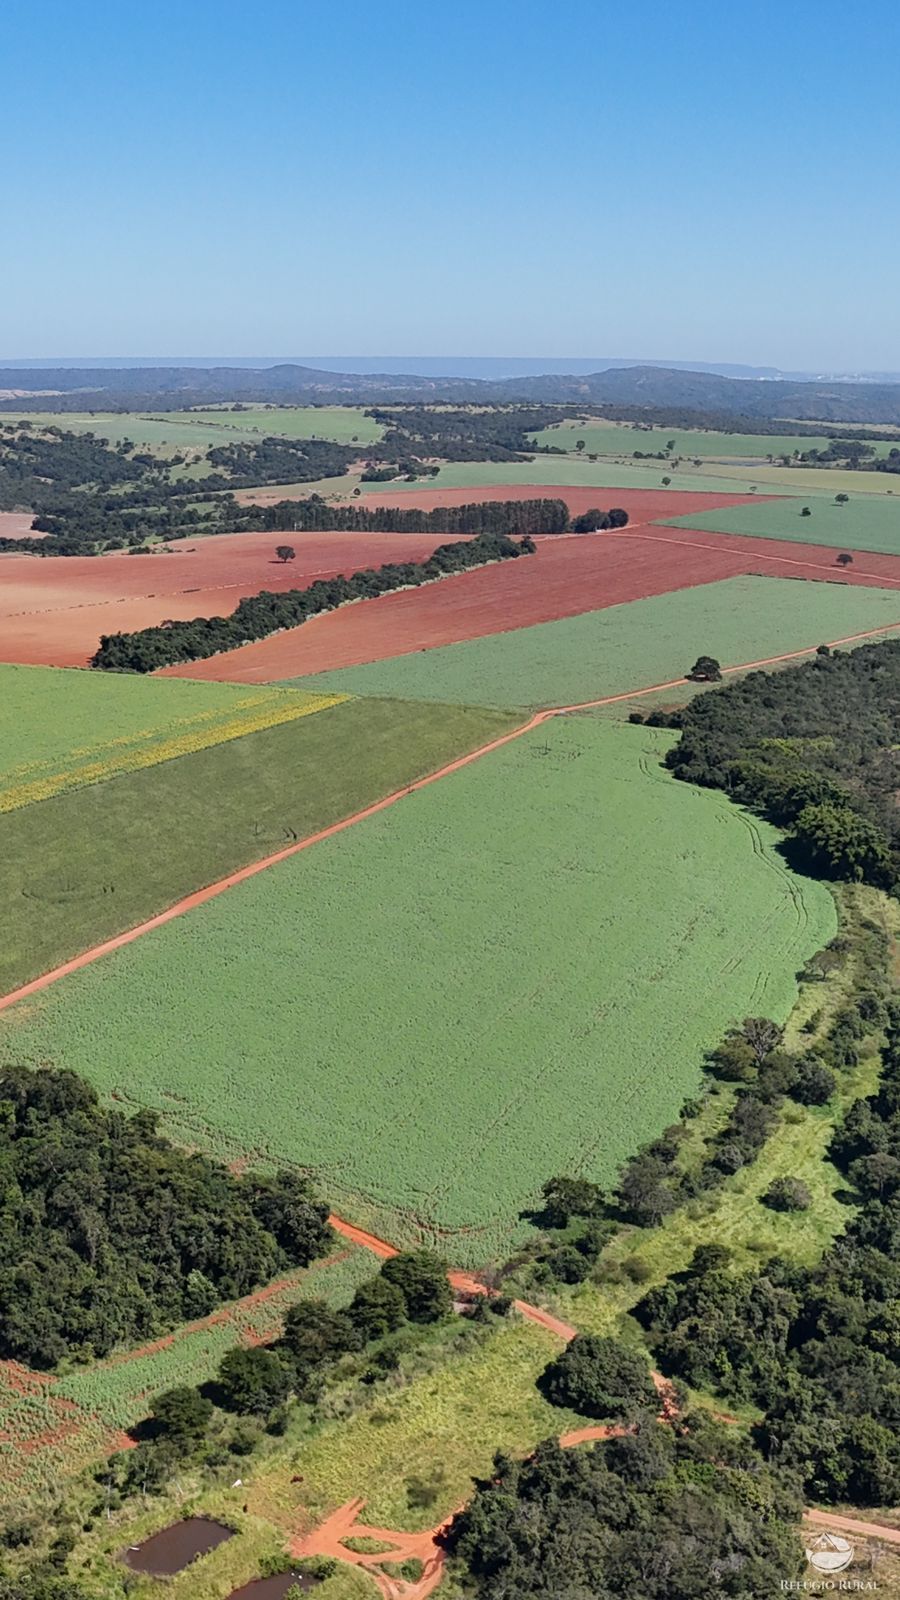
<point x="704" y="180"/>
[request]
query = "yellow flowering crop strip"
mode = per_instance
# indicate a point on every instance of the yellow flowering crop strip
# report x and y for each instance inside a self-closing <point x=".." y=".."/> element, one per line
<point x="40" y="780"/>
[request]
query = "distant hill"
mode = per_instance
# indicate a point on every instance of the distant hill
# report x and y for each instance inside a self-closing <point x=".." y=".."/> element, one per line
<point x="170" y="388"/>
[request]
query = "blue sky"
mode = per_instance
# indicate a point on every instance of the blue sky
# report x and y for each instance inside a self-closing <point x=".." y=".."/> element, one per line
<point x="701" y="181"/>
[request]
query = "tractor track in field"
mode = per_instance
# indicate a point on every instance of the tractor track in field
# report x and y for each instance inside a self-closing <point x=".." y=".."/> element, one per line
<point x="211" y="891"/>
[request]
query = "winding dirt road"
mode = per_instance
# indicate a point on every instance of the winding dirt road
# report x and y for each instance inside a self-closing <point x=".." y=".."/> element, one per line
<point x="200" y="896"/>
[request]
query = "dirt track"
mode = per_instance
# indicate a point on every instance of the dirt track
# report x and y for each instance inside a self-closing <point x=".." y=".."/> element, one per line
<point x="569" y="575"/>
<point x="212" y="890"/>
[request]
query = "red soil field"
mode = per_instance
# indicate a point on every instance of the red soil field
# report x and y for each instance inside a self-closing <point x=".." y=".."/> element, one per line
<point x="642" y="505"/>
<point x="568" y="575"/>
<point x="53" y="610"/>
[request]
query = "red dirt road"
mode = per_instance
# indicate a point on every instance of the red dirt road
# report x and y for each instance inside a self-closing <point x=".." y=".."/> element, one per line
<point x="53" y="610"/>
<point x="569" y="575"/>
<point x="212" y="890"/>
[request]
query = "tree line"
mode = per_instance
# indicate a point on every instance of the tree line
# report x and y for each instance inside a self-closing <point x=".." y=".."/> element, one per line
<point x="816" y="749"/>
<point x="111" y="1235"/>
<point x="257" y="616"/>
<point x="817" y="1348"/>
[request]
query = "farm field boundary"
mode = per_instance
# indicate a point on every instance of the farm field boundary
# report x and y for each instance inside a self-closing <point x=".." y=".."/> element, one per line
<point x="51" y="1426"/>
<point x="868" y="523"/>
<point x="88" y="864"/>
<point x="603" y="437"/>
<point x="563" y="791"/>
<point x="46" y="714"/>
<point x="599" y="654"/>
<point x="54" y="610"/>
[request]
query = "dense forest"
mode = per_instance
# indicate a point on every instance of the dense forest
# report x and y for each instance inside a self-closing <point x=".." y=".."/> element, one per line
<point x="465" y="434"/>
<point x="502" y="518"/>
<point x="815" y="748"/>
<point x="258" y="615"/>
<point x="662" y="1513"/>
<point x="110" y="1235"/>
<point x="817" y="1348"/>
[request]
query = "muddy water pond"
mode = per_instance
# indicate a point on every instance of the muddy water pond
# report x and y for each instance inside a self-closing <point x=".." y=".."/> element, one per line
<point x="272" y="1588"/>
<point x="175" y="1547"/>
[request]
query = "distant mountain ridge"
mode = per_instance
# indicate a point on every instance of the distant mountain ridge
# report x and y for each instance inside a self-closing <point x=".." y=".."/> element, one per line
<point x="170" y="388"/>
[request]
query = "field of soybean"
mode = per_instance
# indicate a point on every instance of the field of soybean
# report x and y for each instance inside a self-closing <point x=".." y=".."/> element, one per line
<point x="512" y="973"/>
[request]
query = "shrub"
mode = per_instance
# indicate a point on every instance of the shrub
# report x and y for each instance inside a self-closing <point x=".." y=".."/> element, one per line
<point x="787" y="1194"/>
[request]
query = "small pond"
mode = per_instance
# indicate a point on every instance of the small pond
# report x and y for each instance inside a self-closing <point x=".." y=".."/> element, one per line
<point x="272" y="1588"/>
<point x="176" y="1547"/>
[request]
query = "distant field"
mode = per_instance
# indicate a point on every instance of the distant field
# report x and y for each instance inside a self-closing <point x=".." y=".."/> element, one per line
<point x="86" y="865"/>
<point x="625" y="647"/>
<point x="342" y="424"/>
<point x="807" y="481"/>
<point x="863" y="524"/>
<point x="611" y="438"/>
<point x="165" y="432"/>
<point x="538" y="949"/>
<point x="561" y="470"/>
<point x="162" y="434"/>
<point x="61" y="730"/>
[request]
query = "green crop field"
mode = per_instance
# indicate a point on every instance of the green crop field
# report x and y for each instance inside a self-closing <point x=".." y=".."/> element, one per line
<point x="867" y="523"/>
<point x="563" y="470"/>
<point x="85" y="865"/>
<point x="342" y="424"/>
<point x="626" y="647"/>
<point x="804" y="481"/>
<point x="61" y="729"/>
<point x="611" y="438"/>
<point x="538" y="949"/>
<point x="162" y="435"/>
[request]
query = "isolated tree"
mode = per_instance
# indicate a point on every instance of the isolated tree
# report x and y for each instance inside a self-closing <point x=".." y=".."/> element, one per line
<point x="286" y="552"/>
<point x="666" y="482"/>
<point x="579" y="444"/>
<point x="670" y="445"/>
<point x="565" y="1198"/>
<point x="806" y="512"/>
<point x="814" y="1082"/>
<point x="844" y="559"/>
<point x="600" y="1378"/>
<point x="181" y="1414"/>
<point x="252" y="1380"/>
<point x="377" y="1308"/>
<point x="841" y="499"/>
<point x="706" y="669"/>
<point x="421" y="1277"/>
<point x="761" y="1034"/>
<point x="787" y="1194"/>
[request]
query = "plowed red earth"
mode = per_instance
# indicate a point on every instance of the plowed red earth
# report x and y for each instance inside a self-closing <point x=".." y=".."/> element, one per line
<point x="568" y="575"/>
<point x="53" y="611"/>
<point x="642" y="505"/>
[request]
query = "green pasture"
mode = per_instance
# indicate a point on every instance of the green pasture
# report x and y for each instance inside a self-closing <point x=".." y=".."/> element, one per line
<point x="84" y="865"/>
<point x="626" y="647"/>
<point x="561" y="470"/>
<point x="621" y="439"/>
<point x="865" y="523"/>
<point x="510" y="973"/>
<point x="163" y="434"/>
<point x="805" y="481"/>
<point x="341" y="424"/>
